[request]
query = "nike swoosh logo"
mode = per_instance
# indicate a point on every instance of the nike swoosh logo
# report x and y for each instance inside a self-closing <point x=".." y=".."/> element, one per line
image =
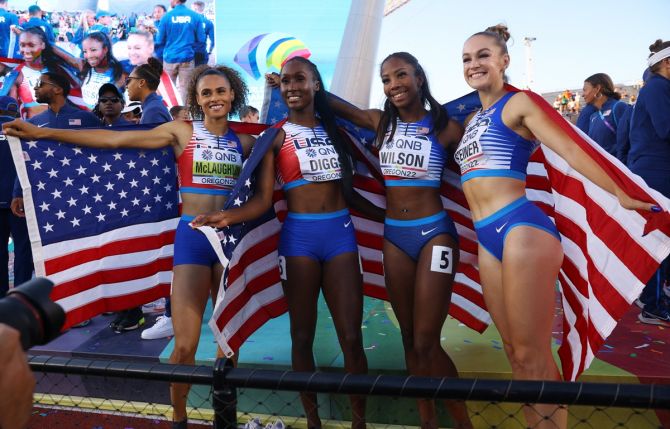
<point x="501" y="227"/>
<point x="427" y="232"/>
<point x="43" y="125"/>
<point x="347" y="224"/>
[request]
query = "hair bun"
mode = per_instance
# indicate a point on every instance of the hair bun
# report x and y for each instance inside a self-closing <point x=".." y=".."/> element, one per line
<point x="657" y="46"/>
<point x="501" y="30"/>
<point x="156" y="65"/>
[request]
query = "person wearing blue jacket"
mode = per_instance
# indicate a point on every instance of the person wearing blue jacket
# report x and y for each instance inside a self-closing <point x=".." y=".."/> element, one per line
<point x="179" y="32"/>
<point x="11" y="224"/>
<point x="202" y="51"/>
<point x="649" y="157"/>
<point x="36" y="20"/>
<point x="604" y="126"/>
<point x="584" y="118"/>
<point x="8" y="23"/>
<point x="142" y="85"/>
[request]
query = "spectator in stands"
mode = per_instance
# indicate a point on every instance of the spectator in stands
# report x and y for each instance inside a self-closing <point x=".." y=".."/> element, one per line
<point x="609" y="109"/>
<point x="8" y="25"/>
<point x="202" y="51"/>
<point x="103" y="24"/>
<point x="11" y="224"/>
<point x="649" y="157"/>
<point x="110" y="106"/>
<point x="180" y="31"/>
<point x="86" y="22"/>
<point x="36" y="20"/>
<point x="180" y="113"/>
<point x="249" y="114"/>
<point x="97" y="67"/>
<point x="157" y="15"/>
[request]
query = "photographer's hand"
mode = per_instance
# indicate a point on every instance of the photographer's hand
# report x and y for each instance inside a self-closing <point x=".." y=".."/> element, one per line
<point x="16" y="381"/>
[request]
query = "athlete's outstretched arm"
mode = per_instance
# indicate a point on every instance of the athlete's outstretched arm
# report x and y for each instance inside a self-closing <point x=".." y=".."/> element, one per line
<point x="551" y="135"/>
<point x="363" y="118"/>
<point x="161" y="136"/>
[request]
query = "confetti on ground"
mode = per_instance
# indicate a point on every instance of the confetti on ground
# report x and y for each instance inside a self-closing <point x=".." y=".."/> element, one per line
<point x="633" y="355"/>
<point x="467" y="341"/>
<point x="608" y="346"/>
<point x="656" y="351"/>
<point x="372" y="347"/>
<point x="641" y="346"/>
<point x="381" y="333"/>
<point x="268" y="358"/>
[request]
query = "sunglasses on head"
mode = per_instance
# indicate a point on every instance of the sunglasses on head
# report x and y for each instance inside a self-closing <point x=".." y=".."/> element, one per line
<point x="41" y="83"/>
<point x="129" y="78"/>
<point x="109" y="100"/>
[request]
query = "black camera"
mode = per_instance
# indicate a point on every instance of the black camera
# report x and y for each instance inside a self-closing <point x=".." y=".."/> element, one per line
<point x="29" y="310"/>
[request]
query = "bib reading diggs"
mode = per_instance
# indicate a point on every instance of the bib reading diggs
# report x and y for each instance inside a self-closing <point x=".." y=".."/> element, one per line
<point x="306" y="156"/>
<point x="405" y="156"/>
<point x="216" y="166"/>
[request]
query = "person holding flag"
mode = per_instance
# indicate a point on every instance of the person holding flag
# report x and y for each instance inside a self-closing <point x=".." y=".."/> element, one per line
<point x="214" y="93"/>
<point x="421" y="249"/>
<point x="317" y="246"/>
<point x="520" y="252"/>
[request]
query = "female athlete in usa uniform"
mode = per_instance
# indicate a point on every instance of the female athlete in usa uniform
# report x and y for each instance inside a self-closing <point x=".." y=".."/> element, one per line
<point x="205" y="183"/>
<point x="317" y="246"/>
<point x="420" y="239"/>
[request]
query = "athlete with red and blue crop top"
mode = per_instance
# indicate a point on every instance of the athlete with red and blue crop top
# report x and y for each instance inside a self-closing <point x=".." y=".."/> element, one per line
<point x="209" y="157"/>
<point x="317" y="245"/>
<point x="421" y="249"/>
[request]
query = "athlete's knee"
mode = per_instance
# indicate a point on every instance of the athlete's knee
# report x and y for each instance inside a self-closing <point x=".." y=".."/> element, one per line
<point x="184" y="352"/>
<point x="526" y="360"/>
<point x="351" y="342"/>
<point x="425" y="346"/>
<point x="302" y="339"/>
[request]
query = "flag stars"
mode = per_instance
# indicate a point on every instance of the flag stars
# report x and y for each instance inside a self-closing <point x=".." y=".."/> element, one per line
<point x="48" y="227"/>
<point x="144" y="172"/>
<point x="49" y="152"/>
<point x="87" y="209"/>
<point x="156" y="180"/>
<point x="101" y="217"/>
<point x="131" y="164"/>
<point x="107" y="167"/>
<point x="74" y="222"/>
<point x="60" y="214"/>
<point x="77" y="150"/>
<point x="44" y="206"/>
<point x="143" y="154"/>
<point x="237" y="201"/>
<point x="117" y="156"/>
<point x="53" y="173"/>
<point x="97" y="197"/>
<point x="133" y="183"/>
<point x="158" y="198"/>
<point x="109" y="186"/>
<point x="72" y="202"/>
<point x="135" y="201"/>
<point x="112" y="205"/>
<point x="166" y="170"/>
<point x="92" y="159"/>
<point x="65" y="161"/>
<point x="164" y="151"/>
<point x="232" y="239"/>
<point x="168" y="205"/>
<point x="123" y="194"/>
<point x="32" y="144"/>
<point x="37" y="165"/>
<point x="154" y="162"/>
<point x="168" y="188"/>
<point x="95" y="178"/>
<point x="120" y="175"/>
<point x="461" y="107"/>
<point x="83" y="190"/>
<point x="41" y="186"/>
<point x="81" y="170"/>
<point x="56" y="193"/>
<point x="146" y="208"/>
<point x="124" y="213"/>
<point x="146" y="191"/>
<point x="247" y="183"/>
<point x="68" y="182"/>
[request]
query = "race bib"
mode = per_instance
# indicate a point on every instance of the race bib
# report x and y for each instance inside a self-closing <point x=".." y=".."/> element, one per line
<point x="319" y="163"/>
<point x="405" y="156"/>
<point x="212" y="166"/>
<point x="469" y="154"/>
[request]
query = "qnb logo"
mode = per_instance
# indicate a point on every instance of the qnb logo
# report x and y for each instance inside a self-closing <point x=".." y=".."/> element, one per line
<point x="389" y="144"/>
<point x="207" y="155"/>
<point x="311" y="153"/>
<point x="181" y="19"/>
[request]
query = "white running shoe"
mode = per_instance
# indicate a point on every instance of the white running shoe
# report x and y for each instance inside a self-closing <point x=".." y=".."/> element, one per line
<point x="278" y="424"/>
<point x="157" y="306"/>
<point x="161" y="329"/>
<point x="254" y="423"/>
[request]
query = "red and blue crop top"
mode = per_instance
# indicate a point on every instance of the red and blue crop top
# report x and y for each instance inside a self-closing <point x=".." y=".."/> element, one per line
<point x="413" y="156"/>
<point x="491" y="149"/>
<point x="210" y="164"/>
<point x="307" y="155"/>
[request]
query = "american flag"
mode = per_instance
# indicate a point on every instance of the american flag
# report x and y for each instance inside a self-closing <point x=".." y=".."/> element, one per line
<point x="168" y="90"/>
<point x="610" y="252"/>
<point x="101" y="223"/>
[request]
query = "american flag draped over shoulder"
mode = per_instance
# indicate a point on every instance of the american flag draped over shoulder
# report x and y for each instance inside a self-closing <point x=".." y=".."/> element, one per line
<point x="252" y="286"/>
<point x="610" y="252"/>
<point x="101" y="223"/>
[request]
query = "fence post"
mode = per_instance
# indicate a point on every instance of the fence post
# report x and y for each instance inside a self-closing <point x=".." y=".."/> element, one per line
<point x="224" y="397"/>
